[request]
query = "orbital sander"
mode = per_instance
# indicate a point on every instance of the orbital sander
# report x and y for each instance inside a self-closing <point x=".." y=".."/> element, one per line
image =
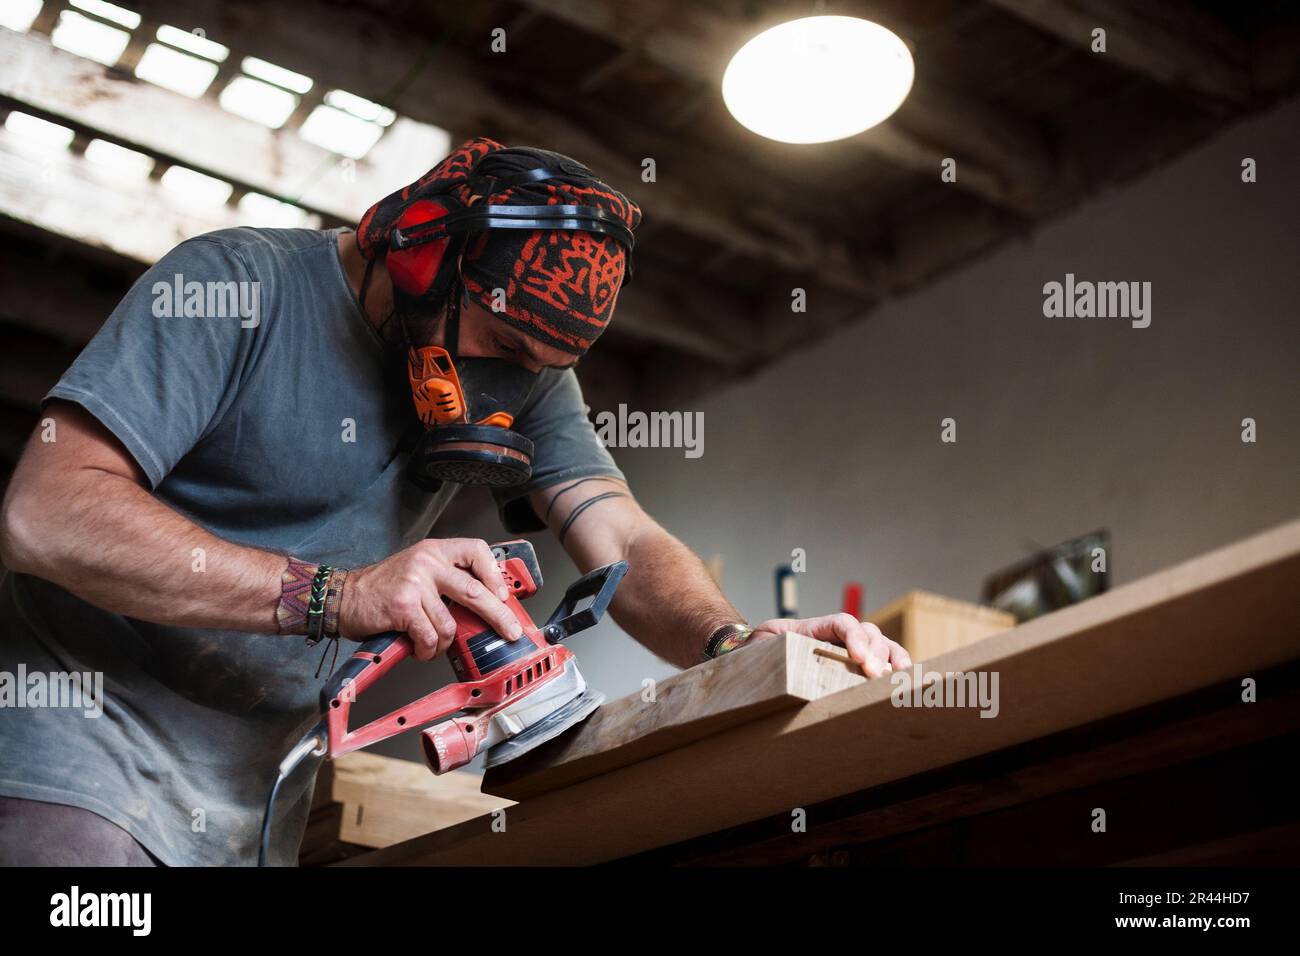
<point x="509" y="697"/>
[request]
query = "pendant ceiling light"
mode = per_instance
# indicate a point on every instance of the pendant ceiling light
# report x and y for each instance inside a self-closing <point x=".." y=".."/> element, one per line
<point x="818" y="79"/>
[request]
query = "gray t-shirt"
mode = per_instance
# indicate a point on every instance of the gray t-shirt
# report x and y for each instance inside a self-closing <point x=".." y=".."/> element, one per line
<point x="245" y="428"/>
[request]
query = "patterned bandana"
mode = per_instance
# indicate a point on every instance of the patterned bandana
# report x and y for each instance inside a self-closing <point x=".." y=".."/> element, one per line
<point x="560" y="286"/>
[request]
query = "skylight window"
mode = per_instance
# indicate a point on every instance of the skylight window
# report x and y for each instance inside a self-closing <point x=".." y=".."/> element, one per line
<point x="122" y="162"/>
<point x="109" y="11"/>
<point x="278" y="75"/>
<point x="39" y="133"/>
<point x="89" y="38"/>
<point x="255" y="100"/>
<point x="258" y="210"/>
<point x="19" y="14"/>
<point x="340" y="132"/>
<point x="361" y="109"/>
<point x="176" y="71"/>
<point x="193" y="43"/>
<point x="347" y="124"/>
<point x="195" y="188"/>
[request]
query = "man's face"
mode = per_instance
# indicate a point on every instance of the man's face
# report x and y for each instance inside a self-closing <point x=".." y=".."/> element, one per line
<point x="484" y="335"/>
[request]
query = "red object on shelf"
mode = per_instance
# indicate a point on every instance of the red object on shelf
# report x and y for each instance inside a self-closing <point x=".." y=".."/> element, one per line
<point x="853" y="599"/>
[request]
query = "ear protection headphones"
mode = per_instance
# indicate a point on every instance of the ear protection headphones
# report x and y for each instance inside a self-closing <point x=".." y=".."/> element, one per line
<point x="467" y="405"/>
<point x="427" y="240"/>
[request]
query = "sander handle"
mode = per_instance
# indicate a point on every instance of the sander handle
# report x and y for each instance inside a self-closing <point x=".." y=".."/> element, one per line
<point x="585" y="602"/>
<point x="374" y="658"/>
<point x="379" y="654"/>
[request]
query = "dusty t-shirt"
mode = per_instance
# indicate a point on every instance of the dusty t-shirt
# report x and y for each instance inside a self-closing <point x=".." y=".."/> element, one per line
<point x="285" y="428"/>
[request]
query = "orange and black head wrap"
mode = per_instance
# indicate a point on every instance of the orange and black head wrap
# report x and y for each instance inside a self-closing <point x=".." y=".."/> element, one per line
<point x="560" y="286"/>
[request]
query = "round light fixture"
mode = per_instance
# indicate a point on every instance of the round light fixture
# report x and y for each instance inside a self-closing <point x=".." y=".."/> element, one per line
<point x="818" y="79"/>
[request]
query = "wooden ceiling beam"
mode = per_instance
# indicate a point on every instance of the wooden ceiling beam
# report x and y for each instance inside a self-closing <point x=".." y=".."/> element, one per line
<point x="366" y="55"/>
<point x="1175" y="43"/>
<point x="199" y="134"/>
<point x="64" y="195"/>
<point x="1001" y="159"/>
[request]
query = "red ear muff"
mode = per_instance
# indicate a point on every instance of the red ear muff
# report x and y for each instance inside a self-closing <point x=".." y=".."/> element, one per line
<point x="426" y="270"/>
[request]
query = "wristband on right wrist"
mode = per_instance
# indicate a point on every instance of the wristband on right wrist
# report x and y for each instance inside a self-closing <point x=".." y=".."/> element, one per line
<point x="726" y="639"/>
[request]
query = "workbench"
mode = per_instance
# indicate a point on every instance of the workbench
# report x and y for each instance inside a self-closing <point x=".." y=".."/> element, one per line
<point x="1171" y="705"/>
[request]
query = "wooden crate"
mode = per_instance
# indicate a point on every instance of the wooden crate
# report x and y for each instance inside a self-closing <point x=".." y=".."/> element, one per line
<point x="928" y="624"/>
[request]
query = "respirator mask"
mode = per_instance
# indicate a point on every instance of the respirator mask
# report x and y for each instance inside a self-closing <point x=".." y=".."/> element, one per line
<point x="468" y="405"/>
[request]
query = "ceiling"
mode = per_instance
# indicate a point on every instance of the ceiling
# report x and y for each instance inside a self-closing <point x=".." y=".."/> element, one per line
<point x="1009" y="89"/>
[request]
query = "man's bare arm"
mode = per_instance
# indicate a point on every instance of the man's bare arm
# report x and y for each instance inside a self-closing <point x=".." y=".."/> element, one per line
<point x="668" y="601"/>
<point x="77" y="513"/>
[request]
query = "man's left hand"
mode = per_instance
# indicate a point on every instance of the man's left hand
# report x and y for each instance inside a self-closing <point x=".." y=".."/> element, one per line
<point x="864" y="642"/>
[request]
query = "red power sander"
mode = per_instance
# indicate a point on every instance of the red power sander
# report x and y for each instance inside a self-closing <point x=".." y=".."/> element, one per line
<point x="511" y="696"/>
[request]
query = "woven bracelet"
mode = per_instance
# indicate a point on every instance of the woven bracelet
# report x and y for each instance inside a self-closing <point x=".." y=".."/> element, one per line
<point x="316" y="604"/>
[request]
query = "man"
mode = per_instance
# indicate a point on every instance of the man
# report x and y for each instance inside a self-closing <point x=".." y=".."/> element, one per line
<point x="193" y="476"/>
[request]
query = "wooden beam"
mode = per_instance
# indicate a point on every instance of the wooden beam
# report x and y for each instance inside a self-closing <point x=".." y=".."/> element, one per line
<point x="775" y="675"/>
<point x="368" y="55"/>
<point x="1203" y="724"/>
<point x="203" y="136"/>
<point x="1173" y="42"/>
<point x="65" y="194"/>
<point x="386" y="800"/>
<point x="1152" y="640"/>
<point x="1002" y="160"/>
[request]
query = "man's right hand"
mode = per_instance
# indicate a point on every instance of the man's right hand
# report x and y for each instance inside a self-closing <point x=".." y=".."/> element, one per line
<point x="405" y="593"/>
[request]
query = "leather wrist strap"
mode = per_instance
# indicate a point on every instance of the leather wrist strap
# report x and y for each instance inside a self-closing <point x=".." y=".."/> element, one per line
<point x="333" y="601"/>
<point x="726" y="639"/>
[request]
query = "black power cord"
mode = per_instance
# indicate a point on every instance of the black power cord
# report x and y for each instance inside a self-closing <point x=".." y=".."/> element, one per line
<point x="314" y="744"/>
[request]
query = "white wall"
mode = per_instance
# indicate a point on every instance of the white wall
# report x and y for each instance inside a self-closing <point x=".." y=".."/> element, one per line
<point x="1063" y="425"/>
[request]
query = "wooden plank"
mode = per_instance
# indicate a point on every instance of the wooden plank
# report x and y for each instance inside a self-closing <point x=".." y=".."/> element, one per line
<point x="202" y="135"/>
<point x="772" y="675"/>
<point x="385" y="800"/>
<point x="1211" y="721"/>
<point x="1223" y="616"/>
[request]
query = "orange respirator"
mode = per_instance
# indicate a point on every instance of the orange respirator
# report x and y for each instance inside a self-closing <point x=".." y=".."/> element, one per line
<point x="467" y="406"/>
